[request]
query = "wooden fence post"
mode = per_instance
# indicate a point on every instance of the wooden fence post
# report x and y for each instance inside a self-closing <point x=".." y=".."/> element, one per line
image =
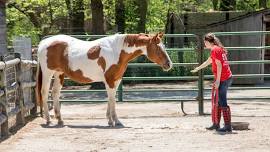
<point x="23" y="46"/>
<point x="3" y="105"/>
<point x="20" y="120"/>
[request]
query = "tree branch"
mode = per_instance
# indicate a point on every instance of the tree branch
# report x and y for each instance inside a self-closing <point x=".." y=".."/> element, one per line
<point x="30" y="15"/>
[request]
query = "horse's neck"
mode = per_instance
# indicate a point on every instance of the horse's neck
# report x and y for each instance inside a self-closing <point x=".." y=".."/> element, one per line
<point x="121" y="49"/>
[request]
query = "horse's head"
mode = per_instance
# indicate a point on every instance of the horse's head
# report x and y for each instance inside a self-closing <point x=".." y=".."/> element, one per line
<point x="156" y="52"/>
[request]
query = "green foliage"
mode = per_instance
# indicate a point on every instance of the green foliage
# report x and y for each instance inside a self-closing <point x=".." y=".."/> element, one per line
<point x="109" y="13"/>
<point x="51" y="19"/>
<point x="156" y="15"/>
<point x="132" y="17"/>
<point x="18" y="25"/>
<point x="34" y="18"/>
<point x="248" y="5"/>
<point x="37" y="18"/>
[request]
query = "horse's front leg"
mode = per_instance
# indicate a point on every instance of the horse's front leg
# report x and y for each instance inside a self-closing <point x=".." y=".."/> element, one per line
<point x="108" y="114"/>
<point x="111" y="113"/>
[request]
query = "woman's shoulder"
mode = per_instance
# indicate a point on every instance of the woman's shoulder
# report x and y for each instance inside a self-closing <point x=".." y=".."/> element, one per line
<point x="217" y="49"/>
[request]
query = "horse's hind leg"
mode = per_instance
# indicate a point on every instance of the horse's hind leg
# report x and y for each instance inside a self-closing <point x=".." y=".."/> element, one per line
<point x="111" y="94"/>
<point x="46" y="81"/>
<point x="57" y="85"/>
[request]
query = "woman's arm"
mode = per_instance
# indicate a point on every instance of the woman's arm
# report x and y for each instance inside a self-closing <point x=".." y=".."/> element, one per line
<point x="219" y="69"/>
<point x="205" y="64"/>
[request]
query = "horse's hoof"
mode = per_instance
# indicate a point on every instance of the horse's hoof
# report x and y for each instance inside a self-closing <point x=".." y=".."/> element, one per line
<point x="48" y="123"/>
<point x="110" y="124"/>
<point x="60" y="122"/>
<point x="119" y="124"/>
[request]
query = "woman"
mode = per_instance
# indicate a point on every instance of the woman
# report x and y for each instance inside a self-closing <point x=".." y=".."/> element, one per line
<point x="223" y="79"/>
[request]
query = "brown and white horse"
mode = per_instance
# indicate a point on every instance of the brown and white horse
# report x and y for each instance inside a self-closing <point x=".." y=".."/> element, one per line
<point x="103" y="60"/>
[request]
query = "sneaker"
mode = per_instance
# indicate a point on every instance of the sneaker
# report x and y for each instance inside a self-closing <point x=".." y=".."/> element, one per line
<point x="213" y="127"/>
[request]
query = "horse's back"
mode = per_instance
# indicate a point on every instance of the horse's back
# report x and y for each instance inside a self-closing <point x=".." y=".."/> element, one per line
<point x="65" y="54"/>
<point x="45" y="43"/>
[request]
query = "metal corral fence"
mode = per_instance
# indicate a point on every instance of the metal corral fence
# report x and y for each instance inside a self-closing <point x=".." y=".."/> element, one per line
<point x="198" y="49"/>
<point x="17" y="99"/>
<point x="17" y="78"/>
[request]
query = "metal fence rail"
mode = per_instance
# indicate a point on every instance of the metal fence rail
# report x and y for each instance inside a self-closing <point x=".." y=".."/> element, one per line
<point x="130" y="65"/>
<point x="16" y="101"/>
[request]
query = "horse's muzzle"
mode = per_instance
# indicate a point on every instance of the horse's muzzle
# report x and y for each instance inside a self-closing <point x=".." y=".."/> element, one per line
<point x="167" y="66"/>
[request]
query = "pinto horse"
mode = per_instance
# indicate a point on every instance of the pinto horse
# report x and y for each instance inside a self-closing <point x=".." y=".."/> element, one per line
<point x="102" y="60"/>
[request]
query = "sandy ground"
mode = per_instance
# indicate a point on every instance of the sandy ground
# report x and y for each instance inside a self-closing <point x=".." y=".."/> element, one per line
<point x="148" y="127"/>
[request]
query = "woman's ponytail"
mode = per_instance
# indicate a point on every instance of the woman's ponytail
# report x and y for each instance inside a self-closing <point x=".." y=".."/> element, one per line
<point x="210" y="37"/>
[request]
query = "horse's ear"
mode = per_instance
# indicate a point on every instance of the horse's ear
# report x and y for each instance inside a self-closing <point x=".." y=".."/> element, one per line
<point x="157" y="38"/>
<point x="160" y="34"/>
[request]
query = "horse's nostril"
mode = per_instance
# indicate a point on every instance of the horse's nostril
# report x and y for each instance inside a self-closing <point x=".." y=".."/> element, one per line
<point x="168" y="64"/>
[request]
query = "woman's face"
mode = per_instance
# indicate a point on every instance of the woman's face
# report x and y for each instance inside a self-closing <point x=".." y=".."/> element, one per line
<point x="207" y="45"/>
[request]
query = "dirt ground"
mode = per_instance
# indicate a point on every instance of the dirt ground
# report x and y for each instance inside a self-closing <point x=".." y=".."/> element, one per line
<point x="148" y="127"/>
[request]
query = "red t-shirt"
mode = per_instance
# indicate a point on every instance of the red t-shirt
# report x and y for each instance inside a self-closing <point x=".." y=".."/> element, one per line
<point x="217" y="53"/>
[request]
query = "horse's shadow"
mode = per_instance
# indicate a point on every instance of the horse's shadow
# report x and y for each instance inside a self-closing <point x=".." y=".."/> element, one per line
<point x="95" y="126"/>
<point x="83" y="126"/>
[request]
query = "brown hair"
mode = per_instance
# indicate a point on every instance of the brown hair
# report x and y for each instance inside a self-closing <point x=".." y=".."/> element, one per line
<point x="211" y="38"/>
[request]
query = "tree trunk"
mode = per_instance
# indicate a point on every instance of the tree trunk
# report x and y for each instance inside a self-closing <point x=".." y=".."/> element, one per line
<point x="263" y="3"/>
<point x="142" y="10"/>
<point x="227" y="5"/>
<point x="120" y="16"/>
<point x="215" y="4"/>
<point x="3" y="2"/>
<point x="69" y="16"/>
<point x="97" y="17"/>
<point x="3" y="29"/>
<point x="78" y="17"/>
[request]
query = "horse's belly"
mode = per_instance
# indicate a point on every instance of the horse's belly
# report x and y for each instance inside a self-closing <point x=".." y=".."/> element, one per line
<point x="89" y="70"/>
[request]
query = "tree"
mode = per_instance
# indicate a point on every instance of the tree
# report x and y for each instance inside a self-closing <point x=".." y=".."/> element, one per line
<point x="227" y="5"/>
<point x="75" y="16"/>
<point x="30" y="11"/>
<point x="215" y="4"/>
<point x="97" y="17"/>
<point x="3" y="43"/>
<point x="120" y="16"/>
<point x="142" y="10"/>
<point x="262" y="3"/>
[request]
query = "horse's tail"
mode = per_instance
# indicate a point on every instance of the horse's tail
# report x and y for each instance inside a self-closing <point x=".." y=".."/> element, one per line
<point x="39" y="86"/>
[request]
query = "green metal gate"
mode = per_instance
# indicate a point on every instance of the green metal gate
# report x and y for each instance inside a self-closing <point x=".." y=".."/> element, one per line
<point x="198" y="49"/>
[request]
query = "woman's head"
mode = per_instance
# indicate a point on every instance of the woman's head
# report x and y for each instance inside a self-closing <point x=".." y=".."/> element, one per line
<point x="210" y="40"/>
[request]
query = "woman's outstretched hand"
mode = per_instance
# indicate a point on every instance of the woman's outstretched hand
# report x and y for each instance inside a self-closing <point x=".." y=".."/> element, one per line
<point x="195" y="70"/>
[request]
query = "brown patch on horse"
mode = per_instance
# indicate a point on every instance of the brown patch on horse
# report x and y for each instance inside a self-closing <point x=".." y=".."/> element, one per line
<point x="101" y="62"/>
<point x="57" y="59"/>
<point x="61" y="77"/>
<point x="116" y="71"/>
<point x="78" y="76"/>
<point x="137" y="40"/>
<point x="93" y="53"/>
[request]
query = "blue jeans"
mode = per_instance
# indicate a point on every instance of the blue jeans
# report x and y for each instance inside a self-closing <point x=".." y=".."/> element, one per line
<point x="222" y="92"/>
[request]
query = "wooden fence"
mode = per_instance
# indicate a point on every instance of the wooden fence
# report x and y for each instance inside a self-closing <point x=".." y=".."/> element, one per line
<point x="17" y="100"/>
